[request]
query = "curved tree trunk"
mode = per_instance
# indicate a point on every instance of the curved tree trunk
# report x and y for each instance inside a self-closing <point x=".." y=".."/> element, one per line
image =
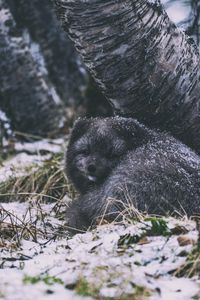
<point x="26" y="95"/>
<point x="146" y="67"/>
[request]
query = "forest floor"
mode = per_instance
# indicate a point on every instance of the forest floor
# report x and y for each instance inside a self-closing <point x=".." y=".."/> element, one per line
<point x="148" y="258"/>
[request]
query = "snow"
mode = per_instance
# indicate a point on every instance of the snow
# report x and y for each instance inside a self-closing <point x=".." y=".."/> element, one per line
<point x="53" y="146"/>
<point x="177" y="11"/>
<point x="17" y="165"/>
<point x="3" y="116"/>
<point x="97" y="257"/>
<point x="177" y="289"/>
<point x="29" y="292"/>
<point x="6" y="123"/>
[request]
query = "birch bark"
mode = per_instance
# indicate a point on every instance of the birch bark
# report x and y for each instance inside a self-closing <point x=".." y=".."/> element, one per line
<point x="145" y="65"/>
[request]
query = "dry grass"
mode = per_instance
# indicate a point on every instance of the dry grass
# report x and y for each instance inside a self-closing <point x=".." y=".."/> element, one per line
<point x="42" y="184"/>
<point x="45" y="183"/>
<point x="39" y="223"/>
<point x="191" y="267"/>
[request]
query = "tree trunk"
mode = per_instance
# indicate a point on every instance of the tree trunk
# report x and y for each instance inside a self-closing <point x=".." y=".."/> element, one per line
<point x="146" y="67"/>
<point x="60" y="57"/>
<point x="26" y="95"/>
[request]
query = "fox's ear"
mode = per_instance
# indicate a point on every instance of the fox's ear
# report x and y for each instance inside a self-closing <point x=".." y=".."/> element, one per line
<point x="132" y="131"/>
<point x="80" y="127"/>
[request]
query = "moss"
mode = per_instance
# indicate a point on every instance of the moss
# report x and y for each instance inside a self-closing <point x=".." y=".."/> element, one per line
<point x="84" y="288"/>
<point x="139" y="293"/>
<point x="48" y="280"/>
<point x="197" y="296"/>
<point x="127" y="240"/>
<point x="158" y="227"/>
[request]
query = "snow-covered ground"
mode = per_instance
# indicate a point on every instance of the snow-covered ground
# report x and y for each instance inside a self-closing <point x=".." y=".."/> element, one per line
<point x="39" y="260"/>
<point x="29" y="154"/>
<point x="106" y="260"/>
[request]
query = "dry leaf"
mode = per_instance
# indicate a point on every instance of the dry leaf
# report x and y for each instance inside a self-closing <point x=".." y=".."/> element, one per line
<point x="185" y="240"/>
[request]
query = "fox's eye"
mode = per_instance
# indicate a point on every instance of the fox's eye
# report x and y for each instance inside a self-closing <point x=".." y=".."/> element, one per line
<point x="112" y="154"/>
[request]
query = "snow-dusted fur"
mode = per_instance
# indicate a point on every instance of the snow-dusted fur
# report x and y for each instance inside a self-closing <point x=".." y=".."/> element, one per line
<point x="119" y="158"/>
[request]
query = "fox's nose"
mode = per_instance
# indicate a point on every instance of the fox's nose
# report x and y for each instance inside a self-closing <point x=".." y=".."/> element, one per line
<point x="92" y="169"/>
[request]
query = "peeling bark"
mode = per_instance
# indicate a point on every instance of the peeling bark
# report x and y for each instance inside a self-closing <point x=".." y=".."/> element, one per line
<point x="26" y="95"/>
<point x="146" y="67"/>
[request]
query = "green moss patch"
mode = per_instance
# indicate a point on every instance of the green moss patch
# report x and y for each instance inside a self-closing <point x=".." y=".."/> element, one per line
<point x="48" y="280"/>
<point x="158" y="227"/>
<point x="84" y="288"/>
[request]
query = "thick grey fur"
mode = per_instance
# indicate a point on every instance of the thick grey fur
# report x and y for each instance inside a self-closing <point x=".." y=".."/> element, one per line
<point x="131" y="163"/>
